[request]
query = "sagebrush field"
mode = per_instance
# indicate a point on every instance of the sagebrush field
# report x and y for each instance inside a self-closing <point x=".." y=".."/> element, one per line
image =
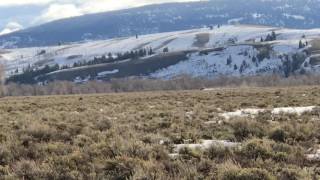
<point x="135" y="135"/>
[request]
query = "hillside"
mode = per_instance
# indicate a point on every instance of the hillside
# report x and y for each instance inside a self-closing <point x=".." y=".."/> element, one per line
<point x="232" y="50"/>
<point x="169" y="17"/>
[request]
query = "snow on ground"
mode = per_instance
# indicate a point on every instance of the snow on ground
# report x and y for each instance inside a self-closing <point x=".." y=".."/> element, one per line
<point x="293" y="16"/>
<point x="213" y="64"/>
<point x="251" y="112"/>
<point x="285" y="48"/>
<point x="314" y="157"/>
<point x="216" y="64"/>
<point x="104" y="73"/>
<point x="242" y="113"/>
<point x="204" y="145"/>
<point x="293" y="110"/>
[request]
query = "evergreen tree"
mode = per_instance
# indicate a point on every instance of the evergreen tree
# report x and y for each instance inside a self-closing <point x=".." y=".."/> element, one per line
<point x="150" y="52"/>
<point x="245" y="53"/>
<point x="254" y="59"/>
<point x="268" y="38"/>
<point x="229" y="60"/>
<point x="301" y="45"/>
<point x="243" y="66"/>
<point x="235" y="67"/>
<point x="271" y="37"/>
<point x="110" y="56"/>
<point x="274" y="36"/>
<point x="287" y="65"/>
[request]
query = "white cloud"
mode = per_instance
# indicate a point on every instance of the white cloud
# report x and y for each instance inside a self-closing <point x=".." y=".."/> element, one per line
<point x="93" y="6"/>
<point x="70" y="8"/>
<point x="23" y="2"/>
<point x="58" y="11"/>
<point x="11" y="27"/>
<point x="113" y="4"/>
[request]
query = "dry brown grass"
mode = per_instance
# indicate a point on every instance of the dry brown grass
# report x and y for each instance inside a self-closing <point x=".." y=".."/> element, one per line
<point x="117" y="136"/>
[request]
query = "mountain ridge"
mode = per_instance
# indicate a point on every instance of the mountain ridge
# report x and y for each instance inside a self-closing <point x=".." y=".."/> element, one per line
<point x="166" y="18"/>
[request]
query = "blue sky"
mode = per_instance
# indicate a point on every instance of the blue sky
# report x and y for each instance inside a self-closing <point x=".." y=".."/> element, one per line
<point x="19" y="14"/>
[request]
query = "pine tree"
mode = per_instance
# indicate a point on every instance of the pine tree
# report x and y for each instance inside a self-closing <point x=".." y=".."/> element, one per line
<point x="287" y="66"/>
<point x="245" y="53"/>
<point x="2" y="80"/>
<point x="229" y="60"/>
<point x="235" y="67"/>
<point x="274" y="36"/>
<point x="243" y="66"/>
<point x="301" y="45"/>
<point x="110" y="55"/>
<point x="254" y="59"/>
<point x="268" y="38"/>
<point x="150" y="52"/>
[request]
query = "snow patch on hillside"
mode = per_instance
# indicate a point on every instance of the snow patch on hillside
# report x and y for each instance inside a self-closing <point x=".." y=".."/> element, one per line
<point x="296" y="17"/>
<point x="215" y="64"/>
<point x="104" y="73"/>
<point x="234" y="39"/>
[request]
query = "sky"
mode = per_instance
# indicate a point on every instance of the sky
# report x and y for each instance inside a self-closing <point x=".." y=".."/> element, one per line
<point x="19" y="14"/>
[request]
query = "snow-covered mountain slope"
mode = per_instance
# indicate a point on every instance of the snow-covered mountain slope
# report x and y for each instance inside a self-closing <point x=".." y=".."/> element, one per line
<point x="226" y="50"/>
<point x="169" y="17"/>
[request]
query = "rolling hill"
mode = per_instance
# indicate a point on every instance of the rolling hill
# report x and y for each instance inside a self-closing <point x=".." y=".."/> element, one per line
<point x="232" y="50"/>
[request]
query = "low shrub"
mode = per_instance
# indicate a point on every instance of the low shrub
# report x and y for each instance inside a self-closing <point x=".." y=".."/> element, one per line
<point x="278" y="135"/>
<point x="244" y="129"/>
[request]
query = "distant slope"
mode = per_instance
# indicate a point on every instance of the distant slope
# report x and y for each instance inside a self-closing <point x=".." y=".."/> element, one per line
<point x="233" y="50"/>
<point x="167" y="18"/>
